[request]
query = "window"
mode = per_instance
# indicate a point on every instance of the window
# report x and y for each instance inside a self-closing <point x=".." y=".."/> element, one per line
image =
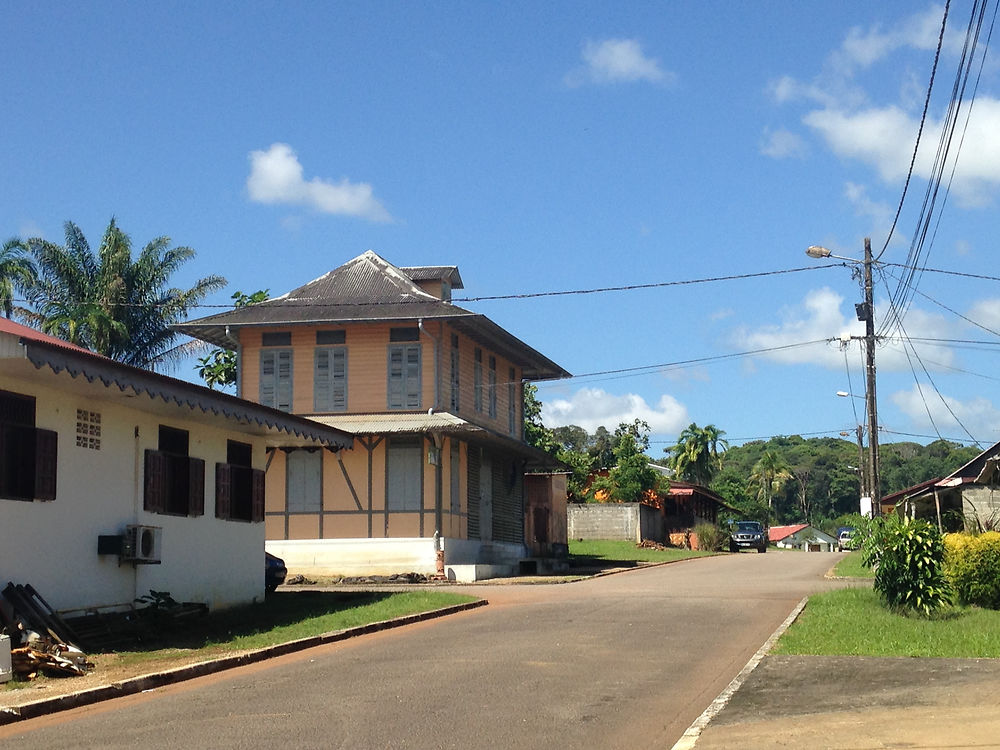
<point x="404" y="464"/>
<point x="276" y="378"/>
<point x="330" y="379"/>
<point x="239" y="488"/>
<point x="493" y="388"/>
<point x="455" y="390"/>
<point x="276" y="338"/>
<point x="477" y="380"/>
<point x="326" y="338"/>
<point x="174" y="482"/>
<point x="397" y="335"/>
<point x="404" y="376"/>
<point x="304" y="481"/>
<point x="27" y="454"/>
<point x="511" y="403"/>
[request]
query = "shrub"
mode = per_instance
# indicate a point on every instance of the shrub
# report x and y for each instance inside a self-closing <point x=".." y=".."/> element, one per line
<point x="972" y="568"/>
<point x="711" y="538"/>
<point x="909" y="571"/>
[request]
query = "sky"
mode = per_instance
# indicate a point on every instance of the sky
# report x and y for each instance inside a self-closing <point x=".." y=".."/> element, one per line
<point x="552" y="147"/>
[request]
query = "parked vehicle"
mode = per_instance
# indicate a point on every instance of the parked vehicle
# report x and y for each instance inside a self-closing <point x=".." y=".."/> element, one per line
<point x="845" y="539"/>
<point x="274" y="572"/>
<point x="748" y="535"/>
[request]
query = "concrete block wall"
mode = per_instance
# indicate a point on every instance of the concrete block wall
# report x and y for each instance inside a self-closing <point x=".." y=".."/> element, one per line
<point x="631" y="522"/>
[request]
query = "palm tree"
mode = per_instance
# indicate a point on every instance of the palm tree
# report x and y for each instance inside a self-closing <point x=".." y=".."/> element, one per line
<point x="771" y="474"/>
<point x="17" y="273"/>
<point x="697" y="456"/>
<point x="119" y="307"/>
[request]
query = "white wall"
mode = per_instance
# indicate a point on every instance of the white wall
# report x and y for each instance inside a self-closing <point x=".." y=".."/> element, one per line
<point x="53" y="545"/>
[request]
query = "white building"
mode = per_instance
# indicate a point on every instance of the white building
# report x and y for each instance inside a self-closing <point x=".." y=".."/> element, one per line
<point x="115" y="480"/>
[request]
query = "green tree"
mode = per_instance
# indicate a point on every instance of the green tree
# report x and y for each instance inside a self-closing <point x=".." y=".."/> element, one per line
<point x="218" y="367"/>
<point x="535" y="432"/>
<point x="631" y="477"/>
<point x="17" y="274"/>
<point x="697" y="456"/>
<point x="771" y="474"/>
<point x="111" y="303"/>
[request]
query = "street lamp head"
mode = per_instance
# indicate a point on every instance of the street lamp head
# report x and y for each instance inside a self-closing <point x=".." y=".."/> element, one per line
<point x="843" y="394"/>
<point x="817" y="251"/>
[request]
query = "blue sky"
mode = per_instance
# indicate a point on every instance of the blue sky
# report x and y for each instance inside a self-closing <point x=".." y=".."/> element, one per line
<point x="547" y="147"/>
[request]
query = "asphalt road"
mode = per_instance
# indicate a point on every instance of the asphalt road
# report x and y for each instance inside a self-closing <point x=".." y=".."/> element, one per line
<point x="623" y="661"/>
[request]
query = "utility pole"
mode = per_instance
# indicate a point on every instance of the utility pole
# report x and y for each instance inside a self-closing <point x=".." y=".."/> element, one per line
<point x="870" y="402"/>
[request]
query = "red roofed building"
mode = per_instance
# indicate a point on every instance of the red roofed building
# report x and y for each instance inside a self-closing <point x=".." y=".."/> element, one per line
<point x="801" y="536"/>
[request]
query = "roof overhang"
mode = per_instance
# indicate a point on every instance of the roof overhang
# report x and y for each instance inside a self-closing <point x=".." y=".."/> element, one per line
<point x="94" y="376"/>
<point x="430" y="423"/>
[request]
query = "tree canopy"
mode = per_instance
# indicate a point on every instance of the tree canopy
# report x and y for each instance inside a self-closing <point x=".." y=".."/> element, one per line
<point x="108" y="301"/>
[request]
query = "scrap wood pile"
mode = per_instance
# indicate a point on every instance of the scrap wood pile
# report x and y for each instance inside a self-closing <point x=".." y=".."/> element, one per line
<point x="42" y="641"/>
<point x="650" y="544"/>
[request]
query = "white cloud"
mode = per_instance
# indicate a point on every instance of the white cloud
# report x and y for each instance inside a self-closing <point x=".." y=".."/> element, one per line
<point x="617" y="61"/>
<point x="863" y="48"/>
<point x="879" y="212"/>
<point x="978" y="415"/>
<point x="817" y="317"/>
<point x="276" y="177"/>
<point x="987" y="313"/>
<point x="591" y="408"/>
<point x="782" y="144"/>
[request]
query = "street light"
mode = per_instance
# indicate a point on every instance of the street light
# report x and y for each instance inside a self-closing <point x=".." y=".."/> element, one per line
<point x="866" y="313"/>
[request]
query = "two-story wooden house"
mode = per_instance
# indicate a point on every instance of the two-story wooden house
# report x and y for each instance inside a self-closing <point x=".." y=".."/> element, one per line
<point x="433" y="396"/>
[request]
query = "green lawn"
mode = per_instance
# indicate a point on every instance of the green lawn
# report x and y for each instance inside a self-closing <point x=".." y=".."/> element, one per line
<point x="854" y="622"/>
<point x="851" y="567"/>
<point x="284" y="616"/>
<point x="606" y="550"/>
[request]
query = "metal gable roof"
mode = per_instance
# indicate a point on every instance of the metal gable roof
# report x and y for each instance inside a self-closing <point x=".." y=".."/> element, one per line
<point x="370" y="289"/>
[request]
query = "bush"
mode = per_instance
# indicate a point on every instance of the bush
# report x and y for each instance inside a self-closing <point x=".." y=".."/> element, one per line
<point x="972" y="568"/>
<point x="711" y="538"/>
<point x="909" y="572"/>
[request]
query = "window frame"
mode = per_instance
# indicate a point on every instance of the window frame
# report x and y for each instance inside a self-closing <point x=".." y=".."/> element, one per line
<point x="330" y="391"/>
<point x="275" y="388"/>
<point x="404" y="382"/>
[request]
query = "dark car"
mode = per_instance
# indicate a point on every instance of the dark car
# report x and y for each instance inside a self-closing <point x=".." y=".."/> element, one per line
<point x="748" y="535"/>
<point x="274" y="572"/>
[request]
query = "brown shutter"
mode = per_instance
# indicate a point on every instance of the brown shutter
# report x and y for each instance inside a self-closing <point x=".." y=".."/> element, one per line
<point x="196" y="492"/>
<point x="256" y="495"/>
<point x="223" y="491"/>
<point x="46" y="444"/>
<point x="155" y="482"/>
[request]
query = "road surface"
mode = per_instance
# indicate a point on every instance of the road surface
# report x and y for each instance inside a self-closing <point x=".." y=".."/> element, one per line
<point x="622" y="661"/>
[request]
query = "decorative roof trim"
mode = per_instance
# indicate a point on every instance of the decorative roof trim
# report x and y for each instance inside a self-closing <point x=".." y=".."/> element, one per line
<point x="178" y="392"/>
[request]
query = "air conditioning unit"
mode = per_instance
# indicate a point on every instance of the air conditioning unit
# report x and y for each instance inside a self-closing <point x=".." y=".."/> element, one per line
<point x="142" y="544"/>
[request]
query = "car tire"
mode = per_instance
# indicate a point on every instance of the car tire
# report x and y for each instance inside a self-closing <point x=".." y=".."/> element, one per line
<point x="762" y="550"/>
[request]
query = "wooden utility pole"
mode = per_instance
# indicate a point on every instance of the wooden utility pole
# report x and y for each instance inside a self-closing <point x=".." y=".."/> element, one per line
<point x="870" y="402"/>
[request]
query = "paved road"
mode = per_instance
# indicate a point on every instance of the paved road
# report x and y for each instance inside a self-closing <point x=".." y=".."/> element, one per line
<point x="623" y="661"/>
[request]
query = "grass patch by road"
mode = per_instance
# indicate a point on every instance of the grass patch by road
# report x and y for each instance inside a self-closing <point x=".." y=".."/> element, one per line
<point x="851" y="567"/>
<point x="617" y="551"/>
<point x="163" y="643"/>
<point x="854" y="622"/>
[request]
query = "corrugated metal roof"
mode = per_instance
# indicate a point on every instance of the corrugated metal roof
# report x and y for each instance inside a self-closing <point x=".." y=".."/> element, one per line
<point x="363" y="424"/>
<point x="435" y="273"/>
<point x="368" y="289"/>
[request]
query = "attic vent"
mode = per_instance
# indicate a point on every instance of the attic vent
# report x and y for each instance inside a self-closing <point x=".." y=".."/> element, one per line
<point x="88" y="429"/>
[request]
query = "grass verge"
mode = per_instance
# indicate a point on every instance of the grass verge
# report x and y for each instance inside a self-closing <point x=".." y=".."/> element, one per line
<point x="854" y="622"/>
<point x="851" y="567"/>
<point x="616" y="551"/>
<point x="163" y="643"/>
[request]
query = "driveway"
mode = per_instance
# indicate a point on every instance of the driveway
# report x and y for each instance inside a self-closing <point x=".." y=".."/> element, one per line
<point x="622" y="661"/>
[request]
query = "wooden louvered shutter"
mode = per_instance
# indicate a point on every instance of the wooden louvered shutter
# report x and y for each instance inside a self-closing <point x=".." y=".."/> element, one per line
<point x="256" y="495"/>
<point x="196" y="485"/>
<point x="223" y="491"/>
<point x="155" y="482"/>
<point x="46" y="444"/>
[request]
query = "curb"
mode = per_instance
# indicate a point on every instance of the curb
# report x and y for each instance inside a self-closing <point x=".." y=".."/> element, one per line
<point x="693" y="732"/>
<point x="141" y="684"/>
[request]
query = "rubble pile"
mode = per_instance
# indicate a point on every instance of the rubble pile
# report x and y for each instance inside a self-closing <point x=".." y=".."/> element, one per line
<point x="41" y="641"/>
